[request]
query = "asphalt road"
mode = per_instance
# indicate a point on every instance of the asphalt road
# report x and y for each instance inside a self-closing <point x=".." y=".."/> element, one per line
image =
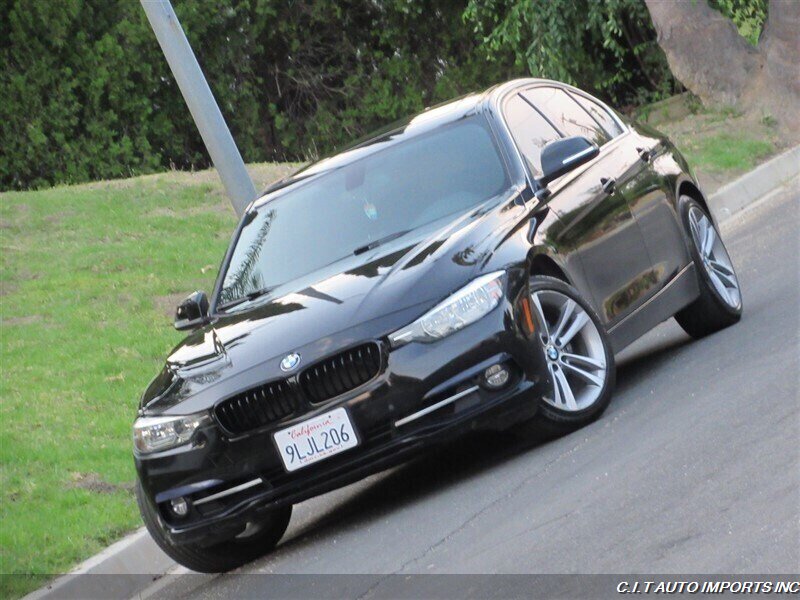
<point x="694" y="468"/>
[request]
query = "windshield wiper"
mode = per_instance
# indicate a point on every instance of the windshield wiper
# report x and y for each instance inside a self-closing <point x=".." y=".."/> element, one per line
<point x="246" y="298"/>
<point x="376" y="243"/>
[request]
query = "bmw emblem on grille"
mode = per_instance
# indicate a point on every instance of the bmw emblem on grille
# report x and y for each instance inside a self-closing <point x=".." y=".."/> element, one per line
<point x="290" y="362"/>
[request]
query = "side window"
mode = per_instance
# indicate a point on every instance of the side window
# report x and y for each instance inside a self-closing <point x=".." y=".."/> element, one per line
<point x="600" y="115"/>
<point x="566" y="114"/>
<point x="530" y="131"/>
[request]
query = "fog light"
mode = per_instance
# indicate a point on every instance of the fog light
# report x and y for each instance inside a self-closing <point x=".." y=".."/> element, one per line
<point x="496" y="376"/>
<point x="180" y="507"/>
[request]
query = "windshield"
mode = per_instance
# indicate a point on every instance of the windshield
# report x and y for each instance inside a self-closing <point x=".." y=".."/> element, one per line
<point x="364" y="203"/>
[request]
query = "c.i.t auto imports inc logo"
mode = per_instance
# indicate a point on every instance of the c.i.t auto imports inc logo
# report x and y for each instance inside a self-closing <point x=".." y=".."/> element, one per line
<point x="710" y="586"/>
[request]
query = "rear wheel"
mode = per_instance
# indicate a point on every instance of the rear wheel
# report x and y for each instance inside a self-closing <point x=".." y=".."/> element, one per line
<point x="720" y="302"/>
<point x="579" y="358"/>
<point x="256" y="540"/>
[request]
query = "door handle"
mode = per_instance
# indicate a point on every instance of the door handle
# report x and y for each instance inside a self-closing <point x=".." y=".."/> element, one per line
<point x="644" y="154"/>
<point x="608" y="184"/>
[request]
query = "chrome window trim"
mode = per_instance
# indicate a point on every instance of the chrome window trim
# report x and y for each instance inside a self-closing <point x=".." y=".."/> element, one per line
<point x="502" y="118"/>
<point x="569" y="91"/>
<point x="577" y="155"/>
<point x="522" y="85"/>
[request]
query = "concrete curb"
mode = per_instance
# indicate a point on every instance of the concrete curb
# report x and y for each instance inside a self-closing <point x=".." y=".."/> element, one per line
<point x="136" y="561"/>
<point x="737" y="195"/>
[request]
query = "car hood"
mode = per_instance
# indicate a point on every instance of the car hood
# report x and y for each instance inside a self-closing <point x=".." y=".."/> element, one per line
<point x="355" y="299"/>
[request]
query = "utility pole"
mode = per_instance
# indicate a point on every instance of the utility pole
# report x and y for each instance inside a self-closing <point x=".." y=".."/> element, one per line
<point x="205" y="112"/>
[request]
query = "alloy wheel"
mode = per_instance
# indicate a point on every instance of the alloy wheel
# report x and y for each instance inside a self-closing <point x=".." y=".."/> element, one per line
<point x="716" y="261"/>
<point x="574" y="351"/>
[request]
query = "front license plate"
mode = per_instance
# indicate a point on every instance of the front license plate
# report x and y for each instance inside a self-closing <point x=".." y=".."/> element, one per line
<point x="316" y="439"/>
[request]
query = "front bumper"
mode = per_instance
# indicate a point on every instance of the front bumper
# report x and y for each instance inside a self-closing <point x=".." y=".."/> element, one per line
<point x="388" y="414"/>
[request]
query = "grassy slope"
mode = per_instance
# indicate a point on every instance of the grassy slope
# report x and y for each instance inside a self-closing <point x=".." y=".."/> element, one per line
<point x="720" y="144"/>
<point x="90" y="275"/>
<point x="89" y="278"/>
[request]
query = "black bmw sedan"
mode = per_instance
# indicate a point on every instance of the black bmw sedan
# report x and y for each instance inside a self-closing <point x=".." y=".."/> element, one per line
<point x="475" y="266"/>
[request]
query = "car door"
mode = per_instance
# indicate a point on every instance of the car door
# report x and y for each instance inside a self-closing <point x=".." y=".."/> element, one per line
<point x="597" y="222"/>
<point x="648" y="197"/>
<point x="531" y="132"/>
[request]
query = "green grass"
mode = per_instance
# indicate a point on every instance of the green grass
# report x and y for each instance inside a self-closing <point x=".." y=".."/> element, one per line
<point x="727" y="152"/>
<point x="88" y="276"/>
<point x="720" y="142"/>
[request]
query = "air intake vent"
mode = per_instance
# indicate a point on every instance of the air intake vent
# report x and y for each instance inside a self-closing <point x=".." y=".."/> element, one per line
<point x="257" y="407"/>
<point x="341" y="373"/>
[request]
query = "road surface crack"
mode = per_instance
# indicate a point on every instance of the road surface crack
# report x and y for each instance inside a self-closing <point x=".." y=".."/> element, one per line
<point x="475" y="516"/>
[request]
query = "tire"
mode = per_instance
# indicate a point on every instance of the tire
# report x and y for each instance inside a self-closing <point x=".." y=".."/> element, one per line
<point x="556" y="415"/>
<point x="219" y="557"/>
<point x="713" y="309"/>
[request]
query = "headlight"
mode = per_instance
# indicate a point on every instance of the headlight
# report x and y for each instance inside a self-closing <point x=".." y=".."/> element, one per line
<point x="152" y="434"/>
<point x="466" y="306"/>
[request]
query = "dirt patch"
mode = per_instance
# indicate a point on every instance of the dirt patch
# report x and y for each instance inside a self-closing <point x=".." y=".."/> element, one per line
<point x="57" y="218"/>
<point x="24" y="274"/>
<point x="708" y="124"/>
<point x="125" y="299"/>
<point x="262" y="174"/>
<point x="691" y="130"/>
<point x="27" y="320"/>
<point x="94" y="483"/>
<point x="166" y="305"/>
<point x="162" y="211"/>
<point x="127" y="353"/>
<point x="222" y="207"/>
<point x="7" y="288"/>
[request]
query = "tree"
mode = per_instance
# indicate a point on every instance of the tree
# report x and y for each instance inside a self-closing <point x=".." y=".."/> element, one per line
<point x="85" y="92"/>
<point x="606" y="47"/>
<point x="708" y="55"/>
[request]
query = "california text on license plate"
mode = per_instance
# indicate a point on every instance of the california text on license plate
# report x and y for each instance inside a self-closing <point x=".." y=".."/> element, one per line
<point x="316" y="439"/>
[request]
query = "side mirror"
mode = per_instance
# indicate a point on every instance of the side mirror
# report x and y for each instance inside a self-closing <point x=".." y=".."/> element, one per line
<point x="561" y="156"/>
<point x="192" y="312"/>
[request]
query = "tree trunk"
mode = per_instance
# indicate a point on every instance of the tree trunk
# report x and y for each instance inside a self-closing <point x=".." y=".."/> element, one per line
<point x="707" y="55"/>
<point x="775" y="88"/>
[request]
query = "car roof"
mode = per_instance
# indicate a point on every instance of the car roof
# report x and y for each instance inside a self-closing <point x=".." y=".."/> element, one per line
<point x="406" y="128"/>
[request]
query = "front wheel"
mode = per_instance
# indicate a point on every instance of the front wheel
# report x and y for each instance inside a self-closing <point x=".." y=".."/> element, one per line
<point x="255" y="541"/>
<point x="720" y="302"/>
<point x="579" y="358"/>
